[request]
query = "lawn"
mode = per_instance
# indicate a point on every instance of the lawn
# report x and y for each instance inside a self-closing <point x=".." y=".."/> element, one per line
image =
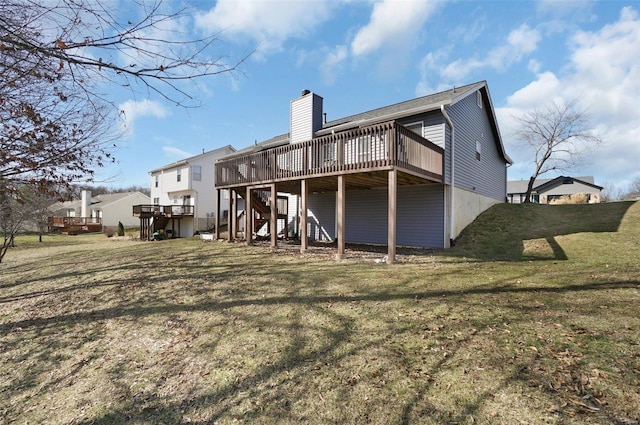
<point x="533" y="318"/>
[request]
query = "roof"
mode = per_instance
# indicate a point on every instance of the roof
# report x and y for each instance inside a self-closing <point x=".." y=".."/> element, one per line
<point x="192" y="158"/>
<point x="395" y="111"/>
<point x="520" y="186"/>
<point x="98" y="201"/>
<point x="421" y="104"/>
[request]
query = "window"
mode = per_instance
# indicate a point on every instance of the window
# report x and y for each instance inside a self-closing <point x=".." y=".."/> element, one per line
<point x="478" y="150"/>
<point x="186" y="200"/>
<point x="156" y="180"/>
<point x="156" y="201"/>
<point x="416" y="127"/>
<point x="479" y="99"/>
<point x="178" y="174"/>
<point x="197" y="173"/>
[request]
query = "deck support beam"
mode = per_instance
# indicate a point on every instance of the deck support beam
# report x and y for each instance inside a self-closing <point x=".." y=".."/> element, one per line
<point x="216" y="219"/>
<point x="341" y="213"/>
<point x="232" y="224"/>
<point x="304" y="193"/>
<point x="274" y="217"/>
<point x="248" y="215"/>
<point x="392" y="217"/>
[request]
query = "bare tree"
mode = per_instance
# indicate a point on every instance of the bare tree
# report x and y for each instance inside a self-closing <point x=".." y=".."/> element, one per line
<point x="634" y="190"/>
<point x="611" y="193"/>
<point x="58" y="62"/>
<point x="558" y="136"/>
<point x="59" y="59"/>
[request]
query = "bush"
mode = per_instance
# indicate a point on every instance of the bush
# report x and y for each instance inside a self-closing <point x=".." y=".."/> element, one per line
<point x="577" y="198"/>
<point x="120" y="229"/>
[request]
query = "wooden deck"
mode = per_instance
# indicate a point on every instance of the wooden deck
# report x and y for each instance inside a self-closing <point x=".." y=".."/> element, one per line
<point x="148" y="211"/>
<point x="75" y="225"/>
<point x="365" y="153"/>
<point x="382" y="155"/>
<point x="155" y="217"/>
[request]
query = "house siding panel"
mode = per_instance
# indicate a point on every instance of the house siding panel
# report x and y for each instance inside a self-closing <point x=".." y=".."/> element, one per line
<point x="486" y="176"/>
<point x="306" y="117"/>
<point x="321" y="221"/>
<point x="421" y="216"/>
<point x="420" y="220"/>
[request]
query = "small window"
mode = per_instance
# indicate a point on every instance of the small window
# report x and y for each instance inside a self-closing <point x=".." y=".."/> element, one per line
<point x="479" y="99"/>
<point x="156" y="201"/>
<point x="478" y="150"/>
<point x="197" y="173"/>
<point x="416" y="127"/>
<point x="179" y="175"/>
<point x="156" y="180"/>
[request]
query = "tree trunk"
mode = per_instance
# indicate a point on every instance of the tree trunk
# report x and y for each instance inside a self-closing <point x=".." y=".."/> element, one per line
<point x="527" y="196"/>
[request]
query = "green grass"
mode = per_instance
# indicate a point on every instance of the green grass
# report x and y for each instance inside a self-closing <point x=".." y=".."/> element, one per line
<point x="533" y="318"/>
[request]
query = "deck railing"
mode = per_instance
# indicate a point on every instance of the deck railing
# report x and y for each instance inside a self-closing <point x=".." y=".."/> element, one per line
<point x="74" y="221"/>
<point x="368" y="148"/>
<point x="163" y="210"/>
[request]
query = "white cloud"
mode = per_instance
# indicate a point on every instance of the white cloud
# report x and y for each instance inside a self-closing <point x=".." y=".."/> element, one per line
<point x="603" y="72"/>
<point x="392" y="22"/>
<point x="269" y="23"/>
<point x="537" y="93"/>
<point x="131" y="110"/>
<point x="330" y="67"/>
<point x="520" y="42"/>
<point x="563" y="8"/>
<point x="172" y="151"/>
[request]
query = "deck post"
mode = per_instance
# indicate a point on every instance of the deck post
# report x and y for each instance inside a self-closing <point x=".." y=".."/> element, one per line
<point x="304" y="193"/>
<point x="392" y="217"/>
<point x="216" y="218"/>
<point x="274" y="217"/>
<point x="231" y="222"/>
<point x="341" y="207"/>
<point x="248" y="215"/>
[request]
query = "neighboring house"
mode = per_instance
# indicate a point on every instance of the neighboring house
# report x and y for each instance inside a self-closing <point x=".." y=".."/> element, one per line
<point x="409" y="174"/>
<point x="90" y="213"/>
<point x="183" y="199"/>
<point x="545" y="191"/>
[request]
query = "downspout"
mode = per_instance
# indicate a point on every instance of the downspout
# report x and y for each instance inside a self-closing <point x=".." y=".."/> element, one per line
<point x="452" y="197"/>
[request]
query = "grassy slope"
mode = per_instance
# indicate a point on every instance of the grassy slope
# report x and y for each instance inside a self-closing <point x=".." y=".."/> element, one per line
<point x="533" y="318"/>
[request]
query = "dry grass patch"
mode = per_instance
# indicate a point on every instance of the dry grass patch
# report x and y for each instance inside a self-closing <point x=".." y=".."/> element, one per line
<point x="181" y="331"/>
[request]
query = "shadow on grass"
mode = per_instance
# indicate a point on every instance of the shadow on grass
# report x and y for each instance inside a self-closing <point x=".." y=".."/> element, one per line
<point x="137" y="311"/>
<point x="233" y="286"/>
<point x="298" y="362"/>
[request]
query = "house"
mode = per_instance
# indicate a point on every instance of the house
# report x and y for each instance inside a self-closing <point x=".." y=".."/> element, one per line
<point x="413" y="173"/>
<point x="545" y="191"/>
<point x="183" y="199"/>
<point x="91" y="213"/>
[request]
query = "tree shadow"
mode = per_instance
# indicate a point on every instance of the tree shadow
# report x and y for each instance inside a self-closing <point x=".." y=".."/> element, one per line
<point x="238" y="297"/>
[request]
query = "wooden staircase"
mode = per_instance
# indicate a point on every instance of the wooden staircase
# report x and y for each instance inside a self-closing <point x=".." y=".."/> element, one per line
<point x="261" y="205"/>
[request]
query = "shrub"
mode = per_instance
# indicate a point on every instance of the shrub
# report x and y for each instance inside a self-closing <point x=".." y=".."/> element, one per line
<point x="120" y="229"/>
<point x="576" y="198"/>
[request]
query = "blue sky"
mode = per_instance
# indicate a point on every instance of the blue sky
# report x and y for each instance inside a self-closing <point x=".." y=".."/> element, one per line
<point x="361" y="55"/>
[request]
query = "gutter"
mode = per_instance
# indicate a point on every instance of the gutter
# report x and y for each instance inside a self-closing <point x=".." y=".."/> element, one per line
<point x="452" y="198"/>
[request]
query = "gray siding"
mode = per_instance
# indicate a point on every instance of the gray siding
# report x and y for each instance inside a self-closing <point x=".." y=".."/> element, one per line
<point x="436" y="131"/>
<point x="488" y="176"/>
<point x="421" y="213"/>
<point x="420" y="216"/>
<point x="321" y="221"/>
